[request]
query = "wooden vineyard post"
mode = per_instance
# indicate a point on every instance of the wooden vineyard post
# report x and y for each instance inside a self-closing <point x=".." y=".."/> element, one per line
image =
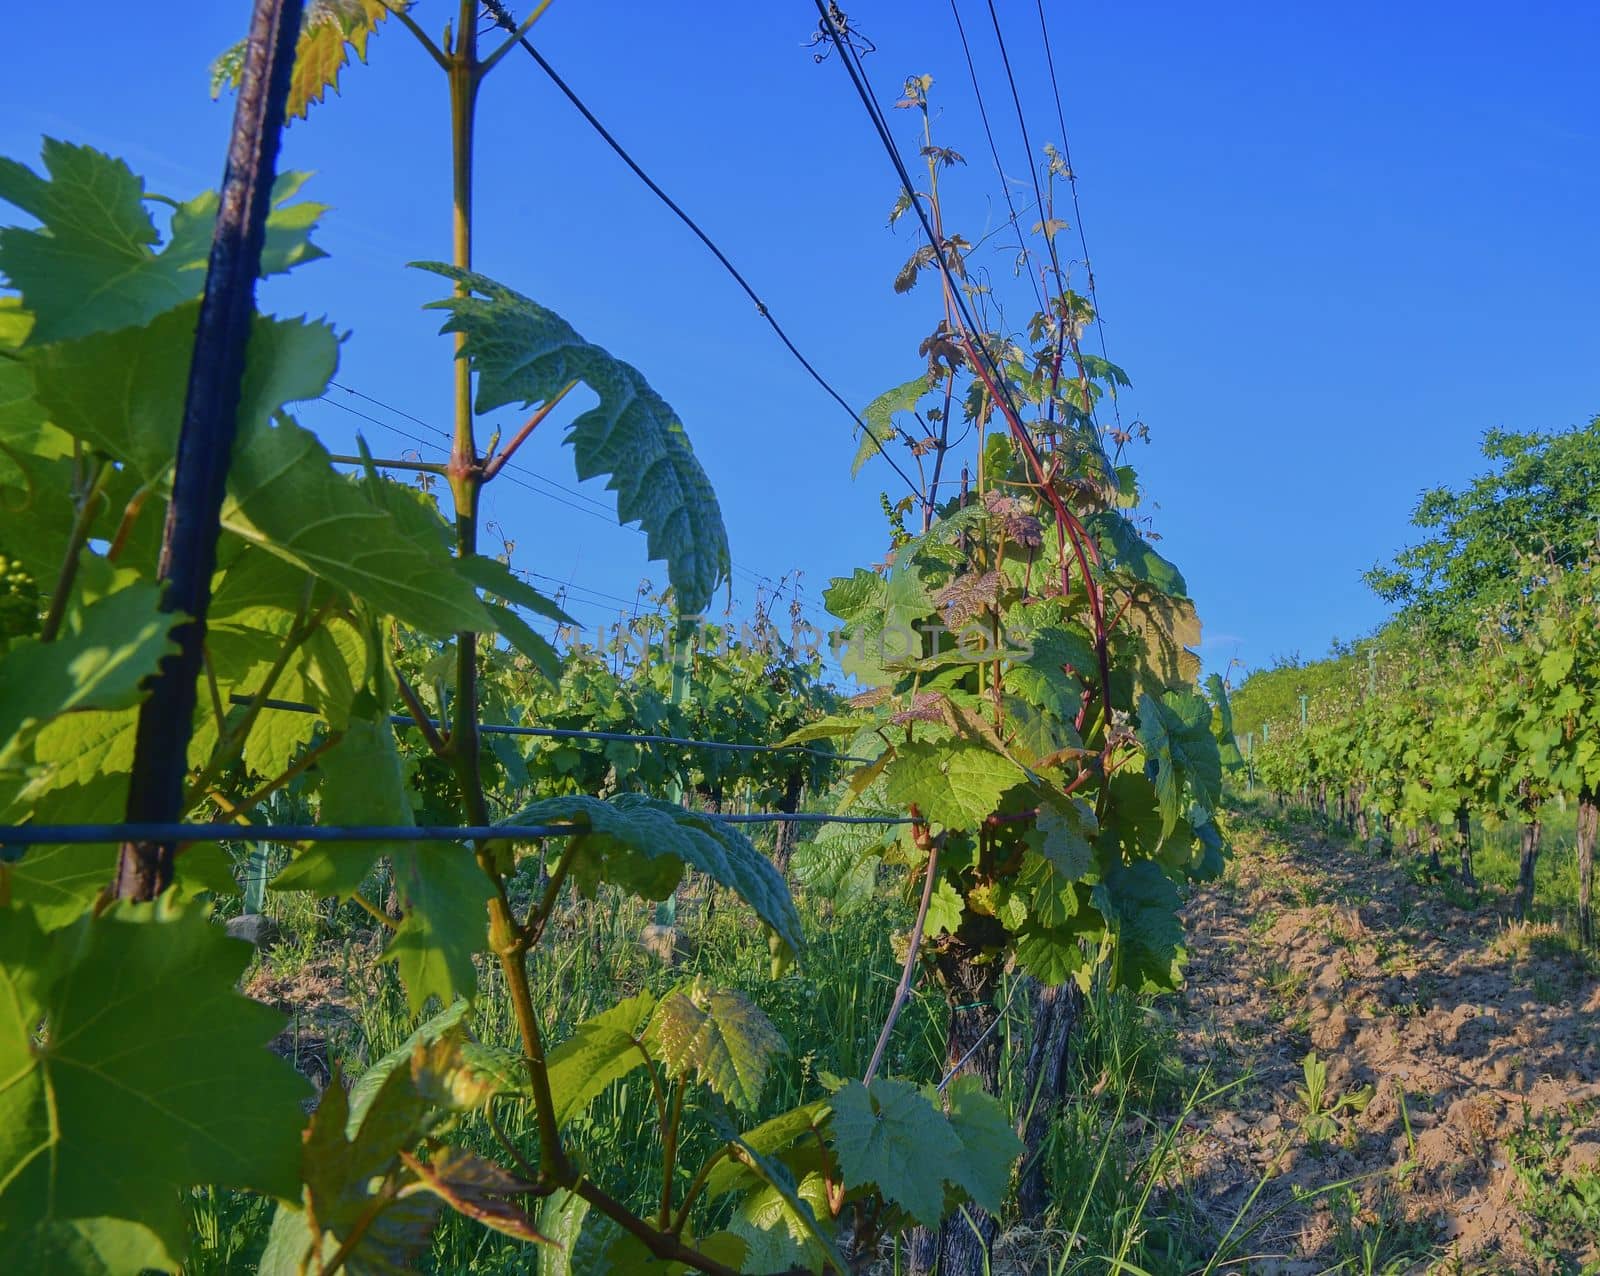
<point x="205" y="442"/>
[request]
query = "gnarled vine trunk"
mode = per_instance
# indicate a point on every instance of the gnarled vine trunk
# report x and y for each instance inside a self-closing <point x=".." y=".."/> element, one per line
<point x="1588" y="824"/>
<point x="1435" y="844"/>
<point x="972" y="1048"/>
<point x="1464" y="846"/>
<point x="1056" y="1012"/>
<point x="788" y="831"/>
<point x="1530" y="857"/>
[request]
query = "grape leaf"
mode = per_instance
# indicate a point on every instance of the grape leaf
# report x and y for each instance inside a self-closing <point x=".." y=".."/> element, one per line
<point x="92" y="266"/>
<point x="600" y="1051"/>
<point x="525" y="639"/>
<point x="446" y="922"/>
<point x="117" y="644"/>
<point x="643" y="843"/>
<point x="718" y="1035"/>
<point x="286" y="498"/>
<point x="367" y="1085"/>
<point x="1222" y="724"/>
<point x="1176" y="734"/>
<point x="443" y="889"/>
<point x="767" y="1139"/>
<point x="878" y="419"/>
<point x="1059" y="836"/>
<point x="526" y="354"/>
<point x="479" y="1189"/>
<point x="890" y="1136"/>
<point x="123" y="392"/>
<point x="494" y="577"/>
<point x="344" y="1172"/>
<point x="1121" y="543"/>
<point x="363" y="782"/>
<point x="945" y="907"/>
<point x="990" y="1145"/>
<point x="955" y="784"/>
<point x="84" y="759"/>
<point x="1144" y="903"/>
<point x="776" y="1222"/>
<point x="134" y="1093"/>
<point x="329" y="31"/>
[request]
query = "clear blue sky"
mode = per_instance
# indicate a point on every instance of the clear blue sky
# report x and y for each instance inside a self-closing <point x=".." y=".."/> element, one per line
<point x="1333" y="246"/>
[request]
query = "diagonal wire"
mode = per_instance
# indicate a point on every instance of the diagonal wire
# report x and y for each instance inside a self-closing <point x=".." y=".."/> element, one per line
<point x="1027" y="145"/>
<point x="858" y="79"/>
<point x="1077" y="211"/>
<point x="994" y="151"/>
<point x="503" y="16"/>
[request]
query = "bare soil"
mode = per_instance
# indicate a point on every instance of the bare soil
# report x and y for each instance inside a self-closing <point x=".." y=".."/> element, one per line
<point x="1479" y="1037"/>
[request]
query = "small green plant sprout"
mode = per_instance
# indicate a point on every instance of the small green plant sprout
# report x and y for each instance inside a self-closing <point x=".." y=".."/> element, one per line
<point x="1320" y="1124"/>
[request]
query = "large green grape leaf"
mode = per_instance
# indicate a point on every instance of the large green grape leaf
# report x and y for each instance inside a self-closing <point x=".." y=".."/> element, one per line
<point x="116" y="645"/>
<point x="133" y="1093"/>
<point x="878" y="418"/>
<point x="84" y="759"/>
<point x="1168" y="631"/>
<point x="1061" y="835"/>
<point x="1121" y="543"/>
<point x="990" y="1145"/>
<point x="891" y="1136"/>
<point x="1175" y="732"/>
<point x="1131" y="817"/>
<point x="342" y="1170"/>
<point x="92" y="265"/>
<point x="600" y="1051"/>
<point x="1053" y="954"/>
<point x="329" y="31"/>
<point x="643" y="843"/>
<point x="719" y="1036"/>
<point x="526" y="354"/>
<point x="363" y="782"/>
<point x="841" y="863"/>
<point x="956" y="784"/>
<point x="778" y="1223"/>
<point x="1144" y="903"/>
<point x="123" y="392"/>
<point x="286" y="497"/>
<point x="1041" y="678"/>
<point x="446" y="922"/>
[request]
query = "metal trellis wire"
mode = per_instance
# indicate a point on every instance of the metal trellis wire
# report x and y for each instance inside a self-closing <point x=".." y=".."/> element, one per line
<point x="179" y="831"/>
<point x="576" y="733"/>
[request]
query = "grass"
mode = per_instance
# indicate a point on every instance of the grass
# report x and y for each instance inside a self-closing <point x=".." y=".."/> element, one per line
<point x="1114" y="1156"/>
<point x="1109" y="1157"/>
<point x="1563" y="1205"/>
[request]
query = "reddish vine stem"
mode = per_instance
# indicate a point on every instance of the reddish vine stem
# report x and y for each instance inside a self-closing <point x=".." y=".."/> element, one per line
<point x="1067" y="525"/>
<point x="498" y="461"/>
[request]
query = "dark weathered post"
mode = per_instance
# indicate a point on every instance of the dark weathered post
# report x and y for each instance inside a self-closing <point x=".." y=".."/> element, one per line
<point x="205" y="443"/>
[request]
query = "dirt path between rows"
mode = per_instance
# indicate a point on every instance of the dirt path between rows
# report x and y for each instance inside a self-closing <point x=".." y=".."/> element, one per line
<point x="1482" y="1036"/>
